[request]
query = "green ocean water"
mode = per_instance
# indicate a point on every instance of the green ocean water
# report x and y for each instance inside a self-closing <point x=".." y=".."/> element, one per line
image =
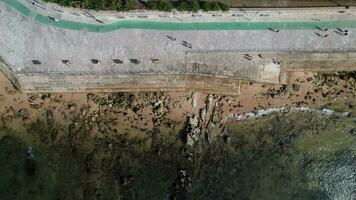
<point x="284" y="156"/>
<point x="293" y="156"/>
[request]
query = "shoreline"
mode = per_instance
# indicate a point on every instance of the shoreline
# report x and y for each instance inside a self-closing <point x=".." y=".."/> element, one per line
<point x="266" y="112"/>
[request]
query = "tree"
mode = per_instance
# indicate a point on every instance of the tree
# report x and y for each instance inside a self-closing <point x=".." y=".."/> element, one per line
<point x="183" y="6"/>
<point x="205" y="6"/>
<point x="214" y="6"/>
<point x="128" y="5"/>
<point x="224" y="7"/>
<point x="194" y="6"/>
<point x="162" y="5"/>
<point x="125" y="5"/>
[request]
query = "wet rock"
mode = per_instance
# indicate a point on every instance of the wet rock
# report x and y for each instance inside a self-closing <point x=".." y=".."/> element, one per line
<point x="193" y="136"/>
<point x="181" y="185"/>
<point x="225" y="135"/>
<point x="49" y="117"/>
<point x="353" y="131"/>
<point x="193" y="131"/>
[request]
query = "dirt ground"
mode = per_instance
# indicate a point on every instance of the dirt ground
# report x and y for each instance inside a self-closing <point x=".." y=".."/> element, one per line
<point x="132" y="113"/>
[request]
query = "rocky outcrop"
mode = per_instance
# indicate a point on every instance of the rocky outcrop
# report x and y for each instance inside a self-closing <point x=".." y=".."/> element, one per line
<point x="205" y="126"/>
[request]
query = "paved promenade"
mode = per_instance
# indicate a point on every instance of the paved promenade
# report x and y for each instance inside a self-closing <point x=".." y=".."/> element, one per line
<point x="50" y="50"/>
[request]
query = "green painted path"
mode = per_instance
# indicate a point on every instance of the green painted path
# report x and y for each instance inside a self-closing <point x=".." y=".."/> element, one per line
<point x="128" y="24"/>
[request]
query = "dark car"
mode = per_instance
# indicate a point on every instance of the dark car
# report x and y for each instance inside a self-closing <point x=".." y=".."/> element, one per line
<point x="134" y="61"/>
<point x="117" y="61"/>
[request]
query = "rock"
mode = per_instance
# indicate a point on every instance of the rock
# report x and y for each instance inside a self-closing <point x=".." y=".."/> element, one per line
<point x="45" y="96"/>
<point x="23" y="113"/>
<point x="208" y="102"/>
<point x="193" y="136"/>
<point x="295" y="87"/>
<point x="9" y="113"/>
<point x="194" y="121"/>
<point x="194" y="98"/>
<point x="70" y="105"/>
<point x="193" y="130"/>
<point x="10" y="90"/>
<point x="225" y="135"/>
<point x="157" y="105"/>
<point x="35" y="101"/>
<point x="353" y="131"/>
<point x="202" y="113"/>
<point x="49" y="117"/>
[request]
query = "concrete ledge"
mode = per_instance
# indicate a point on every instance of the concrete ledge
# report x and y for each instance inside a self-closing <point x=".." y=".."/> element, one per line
<point x="204" y="76"/>
<point x="6" y="69"/>
<point x="131" y="83"/>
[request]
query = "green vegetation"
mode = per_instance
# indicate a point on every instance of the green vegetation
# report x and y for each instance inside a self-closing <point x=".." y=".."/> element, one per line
<point x="120" y="5"/>
<point x="210" y="6"/>
<point x="162" y="5"/>
<point x="289" y="156"/>
<point x="185" y="5"/>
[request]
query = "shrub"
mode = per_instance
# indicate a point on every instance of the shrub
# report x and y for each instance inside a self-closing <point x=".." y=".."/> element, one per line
<point x="224" y="7"/>
<point x="163" y="5"/>
<point x="183" y="6"/>
<point x="128" y="5"/>
<point x="195" y="6"/>
<point x="214" y="6"/>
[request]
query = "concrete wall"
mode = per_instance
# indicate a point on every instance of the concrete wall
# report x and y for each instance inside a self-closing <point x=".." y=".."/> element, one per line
<point x="200" y="74"/>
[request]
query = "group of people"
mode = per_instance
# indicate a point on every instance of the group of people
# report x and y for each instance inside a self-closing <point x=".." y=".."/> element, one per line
<point x="338" y="31"/>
